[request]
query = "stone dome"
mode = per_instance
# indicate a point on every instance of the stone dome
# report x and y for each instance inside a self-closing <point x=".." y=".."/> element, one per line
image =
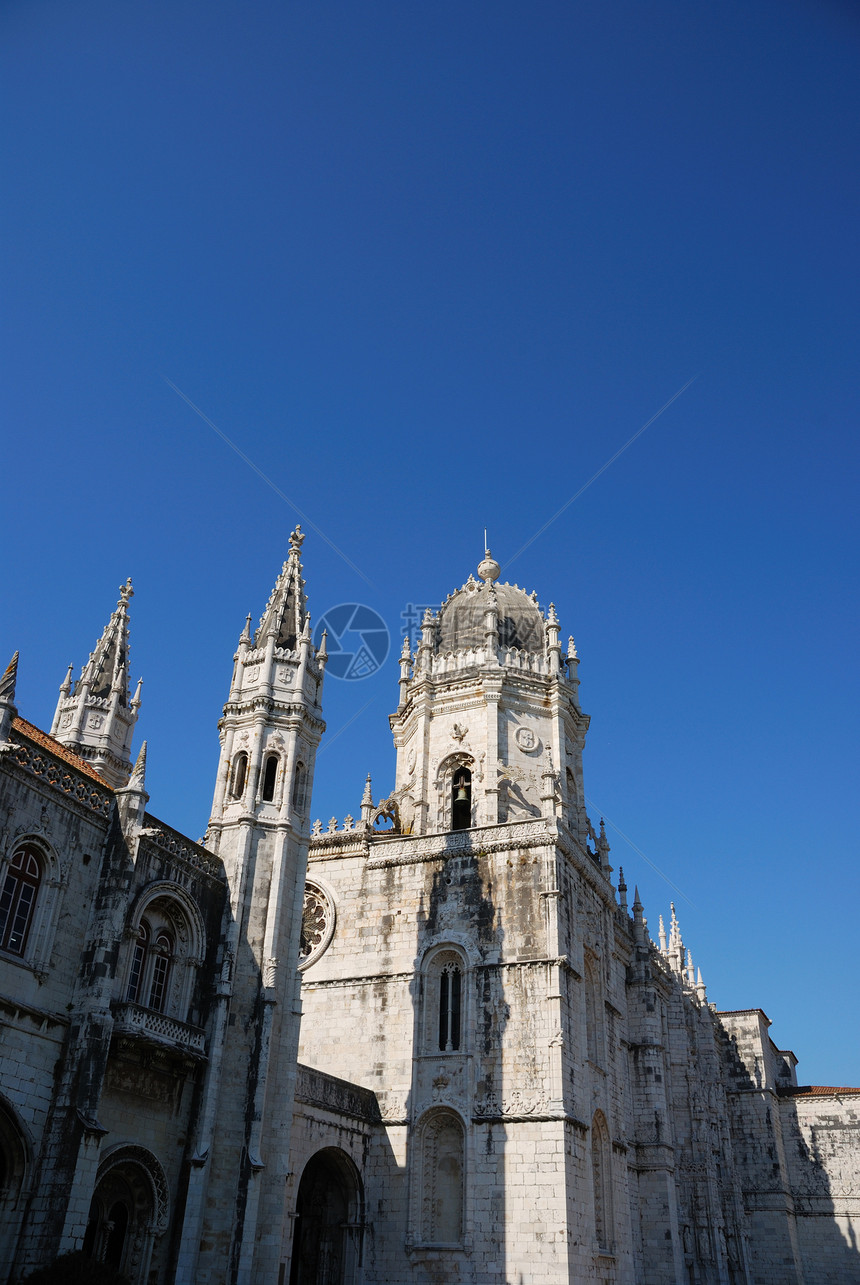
<point x="460" y="623"/>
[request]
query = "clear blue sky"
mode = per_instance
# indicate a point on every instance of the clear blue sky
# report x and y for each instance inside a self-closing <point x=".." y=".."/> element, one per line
<point x="430" y="266"/>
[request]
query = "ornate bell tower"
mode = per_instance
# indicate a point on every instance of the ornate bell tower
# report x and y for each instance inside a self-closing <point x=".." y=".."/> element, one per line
<point x="488" y="728"/>
<point x="475" y="980"/>
<point x="269" y="733"/>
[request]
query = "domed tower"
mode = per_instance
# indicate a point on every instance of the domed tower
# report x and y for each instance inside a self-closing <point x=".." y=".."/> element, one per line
<point x="464" y="957"/>
<point x="489" y="727"/>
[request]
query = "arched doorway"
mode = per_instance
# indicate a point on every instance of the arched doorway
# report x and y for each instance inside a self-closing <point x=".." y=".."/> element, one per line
<point x="127" y="1212"/>
<point x="14" y="1168"/>
<point x="328" y="1221"/>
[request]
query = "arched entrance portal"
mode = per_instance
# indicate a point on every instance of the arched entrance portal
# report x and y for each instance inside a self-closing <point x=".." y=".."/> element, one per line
<point x="327" y="1233"/>
<point x="128" y="1212"/>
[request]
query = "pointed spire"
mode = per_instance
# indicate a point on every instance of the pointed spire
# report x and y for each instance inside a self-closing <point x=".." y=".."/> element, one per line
<point x="133" y="798"/>
<point x="96" y="716"/>
<point x="285" y="612"/>
<point x="322" y="650"/>
<point x="245" y="636"/>
<point x="661" y="933"/>
<point x="572" y="653"/>
<point x="367" y="803"/>
<point x="553" y="634"/>
<point x="638" y="919"/>
<point x="7" y="682"/>
<point x="65" y="691"/>
<point x="622" y="890"/>
<point x="676" y="945"/>
<point x="7" y="697"/>
<point x="137" y="780"/>
<point x="106" y="671"/>
<point x="136" y="699"/>
<point x="700" y="989"/>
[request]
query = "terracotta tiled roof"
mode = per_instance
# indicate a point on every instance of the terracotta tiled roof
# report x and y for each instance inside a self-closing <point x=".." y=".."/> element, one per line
<point x="813" y="1091"/>
<point x="35" y="734"/>
<point x="739" y="1012"/>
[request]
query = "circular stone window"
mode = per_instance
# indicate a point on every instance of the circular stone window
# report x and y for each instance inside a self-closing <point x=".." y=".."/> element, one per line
<point x="318" y="918"/>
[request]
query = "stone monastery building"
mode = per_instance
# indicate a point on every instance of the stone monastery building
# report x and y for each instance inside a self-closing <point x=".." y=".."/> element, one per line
<point x="435" y="1045"/>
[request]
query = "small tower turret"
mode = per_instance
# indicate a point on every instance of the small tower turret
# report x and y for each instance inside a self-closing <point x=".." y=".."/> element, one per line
<point x="96" y="716"/>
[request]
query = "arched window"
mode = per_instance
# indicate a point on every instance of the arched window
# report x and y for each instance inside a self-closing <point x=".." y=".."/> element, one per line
<point x="449" y="1007"/>
<point x="162" y="952"/>
<point x="442" y="1162"/>
<point x="138" y="959"/>
<point x="600" y="1178"/>
<point x="300" y="782"/>
<point x="593" y="1012"/>
<point x="149" y="973"/>
<point x="240" y="773"/>
<point x="461" y="801"/>
<point x="444" y="996"/>
<point x="270" y="776"/>
<point x="167" y="947"/>
<point x="18" y="899"/>
<point x="14" y="1173"/>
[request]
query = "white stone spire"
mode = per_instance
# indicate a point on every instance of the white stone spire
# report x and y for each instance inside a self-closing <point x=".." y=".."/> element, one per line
<point x="96" y="715"/>
<point x="7" y="697"/>
<point x="286" y="615"/>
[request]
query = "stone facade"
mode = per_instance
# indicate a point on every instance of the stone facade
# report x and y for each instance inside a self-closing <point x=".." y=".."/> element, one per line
<point x="499" y="1076"/>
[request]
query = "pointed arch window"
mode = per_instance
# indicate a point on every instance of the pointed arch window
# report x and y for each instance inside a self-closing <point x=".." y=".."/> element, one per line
<point x="270" y="776"/>
<point x="18" y="900"/>
<point x="450" y="986"/>
<point x="444" y="992"/>
<point x="240" y="774"/>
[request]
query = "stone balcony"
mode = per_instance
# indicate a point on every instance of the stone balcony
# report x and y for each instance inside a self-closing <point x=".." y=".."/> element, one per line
<point x="133" y="1021"/>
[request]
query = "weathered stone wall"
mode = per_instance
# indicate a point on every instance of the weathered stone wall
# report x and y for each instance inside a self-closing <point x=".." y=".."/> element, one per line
<point x="821" y="1134"/>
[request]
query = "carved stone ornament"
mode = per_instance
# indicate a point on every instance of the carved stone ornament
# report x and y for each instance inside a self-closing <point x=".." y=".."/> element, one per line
<point x="318" y="923"/>
<point x="411" y="759"/>
<point x="528" y="742"/>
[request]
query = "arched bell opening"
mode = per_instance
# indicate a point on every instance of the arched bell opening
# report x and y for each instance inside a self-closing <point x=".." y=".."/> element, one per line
<point x="328" y="1221"/>
<point x="461" y="801"/>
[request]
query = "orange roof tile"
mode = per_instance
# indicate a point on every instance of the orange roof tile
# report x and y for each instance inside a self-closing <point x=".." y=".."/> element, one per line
<point x="46" y="742"/>
<point x="813" y="1091"/>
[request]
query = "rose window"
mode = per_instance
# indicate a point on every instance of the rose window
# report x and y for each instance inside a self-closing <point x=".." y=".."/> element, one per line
<point x="317" y="924"/>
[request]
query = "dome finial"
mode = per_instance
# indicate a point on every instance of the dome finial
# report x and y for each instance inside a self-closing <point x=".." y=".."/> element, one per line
<point x="489" y="570"/>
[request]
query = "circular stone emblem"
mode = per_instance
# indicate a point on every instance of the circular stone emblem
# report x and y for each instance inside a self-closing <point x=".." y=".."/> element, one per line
<point x="318" y="919"/>
<point x="526" y="739"/>
<point x="411" y="759"/>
